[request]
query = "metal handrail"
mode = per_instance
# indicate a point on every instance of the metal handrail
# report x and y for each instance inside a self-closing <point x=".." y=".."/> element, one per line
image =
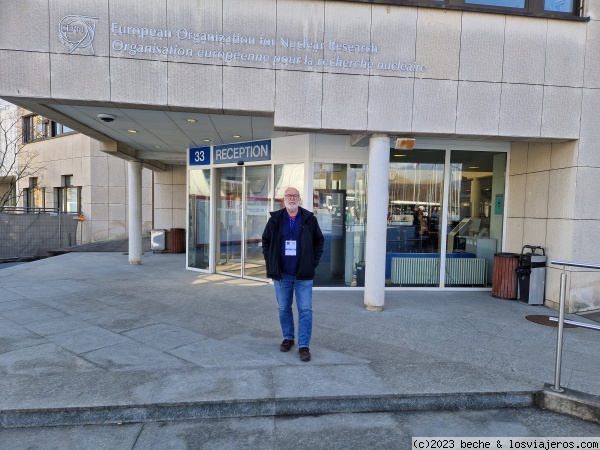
<point x="561" y="315"/>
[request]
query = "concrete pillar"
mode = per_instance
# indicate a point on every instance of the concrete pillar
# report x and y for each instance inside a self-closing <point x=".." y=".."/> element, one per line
<point x="134" y="188"/>
<point x="377" y="206"/>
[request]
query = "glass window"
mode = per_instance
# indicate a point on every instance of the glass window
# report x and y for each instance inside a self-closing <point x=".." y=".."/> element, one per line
<point x="62" y="129"/>
<point x="69" y="196"/>
<point x="38" y="127"/>
<point x="501" y="3"/>
<point x="416" y="185"/>
<point x="199" y="219"/>
<point x="475" y="216"/>
<point x="34" y="196"/>
<point x="545" y="8"/>
<point x="289" y="175"/>
<point x="340" y="206"/>
<point x="558" y="5"/>
<point x="35" y="127"/>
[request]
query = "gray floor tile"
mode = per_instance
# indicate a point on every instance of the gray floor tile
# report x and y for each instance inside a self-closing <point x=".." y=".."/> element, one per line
<point x="30" y="315"/>
<point x="109" y="437"/>
<point x="54" y="326"/>
<point x="88" y="339"/>
<point x="163" y="336"/>
<point x="123" y="322"/>
<point x="134" y="356"/>
<point x="43" y="359"/>
<point x="325" y="381"/>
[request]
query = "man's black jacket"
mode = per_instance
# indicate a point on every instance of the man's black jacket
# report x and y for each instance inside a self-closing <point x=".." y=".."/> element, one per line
<point x="310" y="245"/>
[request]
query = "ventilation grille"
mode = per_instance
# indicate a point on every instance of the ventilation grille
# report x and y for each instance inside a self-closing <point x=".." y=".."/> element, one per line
<point x="469" y="271"/>
<point x="426" y="271"/>
<point x="416" y="271"/>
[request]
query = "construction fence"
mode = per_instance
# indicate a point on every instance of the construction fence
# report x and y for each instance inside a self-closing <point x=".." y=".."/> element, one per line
<point x="32" y="234"/>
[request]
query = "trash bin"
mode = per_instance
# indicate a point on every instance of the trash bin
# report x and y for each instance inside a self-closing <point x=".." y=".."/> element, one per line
<point x="360" y="274"/>
<point x="504" y="283"/>
<point x="531" y="274"/>
<point x="177" y="240"/>
<point x="157" y="240"/>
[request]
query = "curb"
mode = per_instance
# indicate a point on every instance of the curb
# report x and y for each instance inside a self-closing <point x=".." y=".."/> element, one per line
<point x="99" y="415"/>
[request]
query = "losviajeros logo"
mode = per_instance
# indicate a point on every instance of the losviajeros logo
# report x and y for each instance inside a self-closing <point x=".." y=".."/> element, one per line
<point x="78" y="32"/>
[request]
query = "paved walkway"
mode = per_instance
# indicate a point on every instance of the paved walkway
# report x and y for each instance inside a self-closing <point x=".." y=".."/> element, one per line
<point x="88" y="338"/>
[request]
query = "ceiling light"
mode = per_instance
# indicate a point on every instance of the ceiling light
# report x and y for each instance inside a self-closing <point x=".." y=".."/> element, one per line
<point x="205" y="140"/>
<point x="157" y="146"/>
<point x="236" y="136"/>
<point x="132" y="131"/>
<point x="473" y="167"/>
<point x="191" y="120"/>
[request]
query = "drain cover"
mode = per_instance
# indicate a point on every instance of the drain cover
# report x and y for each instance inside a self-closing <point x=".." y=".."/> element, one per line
<point x="545" y="320"/>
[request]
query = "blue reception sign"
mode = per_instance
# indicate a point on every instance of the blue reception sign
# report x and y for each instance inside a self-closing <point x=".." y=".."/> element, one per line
<point x="199" y="156"/>
<point x="243" y="151"/>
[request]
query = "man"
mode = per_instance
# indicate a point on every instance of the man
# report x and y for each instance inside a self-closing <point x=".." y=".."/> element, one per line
<point x="292" y="245"/>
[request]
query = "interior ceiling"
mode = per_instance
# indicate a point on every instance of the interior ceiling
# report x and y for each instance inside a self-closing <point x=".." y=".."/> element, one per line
<point x="166" y="135"/>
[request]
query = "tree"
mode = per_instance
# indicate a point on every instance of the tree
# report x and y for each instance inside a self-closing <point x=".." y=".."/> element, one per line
<point x="17" y="162"/>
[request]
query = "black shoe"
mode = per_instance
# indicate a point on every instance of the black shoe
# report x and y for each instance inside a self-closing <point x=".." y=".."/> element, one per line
<point x="304" y="354"/>
<point x="286" y="345"/>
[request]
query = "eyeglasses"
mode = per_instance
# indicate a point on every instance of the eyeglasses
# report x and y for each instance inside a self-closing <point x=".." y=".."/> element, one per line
<point x="291" y="196"/>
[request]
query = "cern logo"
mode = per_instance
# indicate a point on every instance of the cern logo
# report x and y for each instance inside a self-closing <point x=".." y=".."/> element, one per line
<point x="78" y="32"/>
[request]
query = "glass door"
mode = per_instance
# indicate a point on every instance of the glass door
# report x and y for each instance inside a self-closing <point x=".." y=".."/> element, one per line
<point x="245" y="200"/>
<point x="229" y="223"/>
<point x="257" y="205"/>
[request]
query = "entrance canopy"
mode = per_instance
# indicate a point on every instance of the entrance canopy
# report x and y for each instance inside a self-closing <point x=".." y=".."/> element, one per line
<point x="350" y="68"/>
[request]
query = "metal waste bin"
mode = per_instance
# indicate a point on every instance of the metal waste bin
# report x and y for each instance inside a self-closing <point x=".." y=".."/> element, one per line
<point x="531" y="274"/>
<point x="504" y="281"/>
<point x="360" y="274"/>
<point x="157" y="240"/>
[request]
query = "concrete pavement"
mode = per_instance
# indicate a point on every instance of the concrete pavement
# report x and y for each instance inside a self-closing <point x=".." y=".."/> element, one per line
<point x="86" y="338"/>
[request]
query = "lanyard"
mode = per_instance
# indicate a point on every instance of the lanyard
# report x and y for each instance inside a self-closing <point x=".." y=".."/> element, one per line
<point x="291" y="226"/>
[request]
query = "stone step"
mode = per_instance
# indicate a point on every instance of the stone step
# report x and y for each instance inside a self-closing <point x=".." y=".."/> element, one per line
<point x="107" y="414"/>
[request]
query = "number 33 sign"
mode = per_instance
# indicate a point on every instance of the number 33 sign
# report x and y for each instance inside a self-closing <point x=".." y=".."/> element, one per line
<point x="199" y="156"/>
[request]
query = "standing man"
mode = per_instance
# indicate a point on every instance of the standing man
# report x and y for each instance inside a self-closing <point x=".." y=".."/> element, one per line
<point x="292" y="245"/>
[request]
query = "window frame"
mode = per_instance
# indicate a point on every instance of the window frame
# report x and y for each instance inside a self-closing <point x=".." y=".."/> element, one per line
<point x="44" y="129"/>
<point x="533" y="8"/>
<point x="62" y="198"/>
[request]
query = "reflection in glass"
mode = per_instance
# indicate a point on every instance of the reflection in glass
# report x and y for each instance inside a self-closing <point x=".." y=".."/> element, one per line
<point x="558" y="5"/>
<point x="199" y="219"/>
<point x="229" y="220"/>
<point x="288" y="175"/>
<point x="416" y="183"/>
<point x="475" y="214"/>
<point x="258" y="205"/>
<point x="503" y="3"/>
<point x="340" y="206"/>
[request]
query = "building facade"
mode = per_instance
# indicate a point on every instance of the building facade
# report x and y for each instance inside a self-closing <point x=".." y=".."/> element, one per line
<point x="430" y="130"/>
<point x="75" y="177"/>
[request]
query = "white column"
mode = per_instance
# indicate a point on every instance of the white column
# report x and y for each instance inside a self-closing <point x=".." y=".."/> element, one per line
<point x="134" y="188"/>
<point x="377" y="207"/>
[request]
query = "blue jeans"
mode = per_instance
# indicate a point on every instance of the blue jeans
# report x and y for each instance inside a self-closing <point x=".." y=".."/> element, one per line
<point x="284" y="291"/>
